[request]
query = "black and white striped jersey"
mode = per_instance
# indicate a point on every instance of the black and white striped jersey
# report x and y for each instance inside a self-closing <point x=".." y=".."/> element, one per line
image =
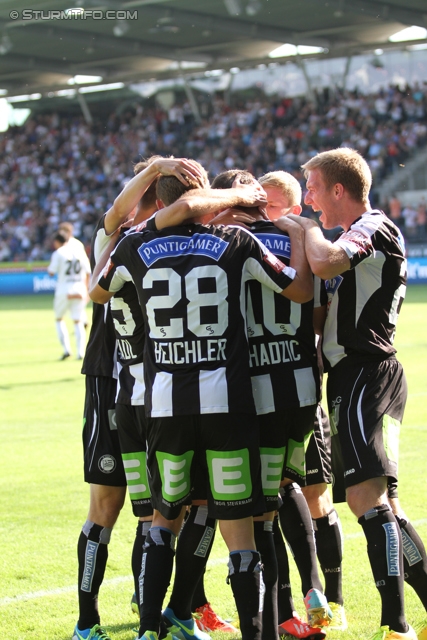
<point x="100" y="358"/>
<point x="130" y="335"/>
<point x="190" y="282"/>
<point x="364" y="302"/>
<point x="282" y="347"/>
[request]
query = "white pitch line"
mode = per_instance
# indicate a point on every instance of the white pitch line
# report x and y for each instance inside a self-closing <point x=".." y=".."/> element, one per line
<point x="114" y="581"/>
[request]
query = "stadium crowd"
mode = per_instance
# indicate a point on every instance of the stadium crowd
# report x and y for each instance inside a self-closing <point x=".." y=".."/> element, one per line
<point x="57" y="168"/>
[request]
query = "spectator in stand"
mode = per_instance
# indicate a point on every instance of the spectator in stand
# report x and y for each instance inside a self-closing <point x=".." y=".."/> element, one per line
<point x="421" y="218"/>
<point x="395" y="210"/>
<point x="409" y="215"/>
<point x="54" y="169"/>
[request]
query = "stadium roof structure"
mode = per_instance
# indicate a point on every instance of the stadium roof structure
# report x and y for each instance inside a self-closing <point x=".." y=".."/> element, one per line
<point x="46" y="46"/>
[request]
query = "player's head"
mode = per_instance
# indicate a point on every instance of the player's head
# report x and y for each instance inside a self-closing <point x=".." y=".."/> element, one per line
<point x="284" y="194"/>
<point x="226" y="179"/>
<point x="59" y="239"/>
<point x="338" y="183"/>
<point x="169" y="188"/>
<point x="148" y="200"/>
<point x="67" y="228"/>
<point x="345" y="166"/>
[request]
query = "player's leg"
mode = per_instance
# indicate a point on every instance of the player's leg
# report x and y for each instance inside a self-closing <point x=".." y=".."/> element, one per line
<point x="60" y="306"/>
<point x="104" y="471"/>
<point x="414" y="554"/>
<point x="264" y="543"/>
<point x="193" y="549"/>
<point x="366" y="405"/>
<point x="92" y="549"/>
<point x="326" y="522"/>
<point x="192" y="552"/>
<point x="131" y="429"/>
<point x="273" y="437"/>
<point x="295" y="518"/>
<point x="156" y="568"/>
<point x="285" y="603"/>
<point x="244" y="574"/>
<point x="231" y="442"/>
<point x="171" y="447"/>
<point x="329" y="548"/>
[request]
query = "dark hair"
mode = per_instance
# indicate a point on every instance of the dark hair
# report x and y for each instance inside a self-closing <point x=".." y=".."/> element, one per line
<point x="225" y="179"/>
<point x="61" y="237"/>
<point x="169" y="188"/>
<point x="148" y="200"/>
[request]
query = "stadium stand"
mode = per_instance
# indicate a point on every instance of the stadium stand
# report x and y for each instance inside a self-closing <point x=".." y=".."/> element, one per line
<point x="57" y="168"/>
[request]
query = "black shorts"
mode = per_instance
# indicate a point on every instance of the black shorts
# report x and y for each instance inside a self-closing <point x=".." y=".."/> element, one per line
<point x="102" y="458"/>
<point x="318" y="455"/>
<point x="366" y="404"/>
<point x="132" y="430"/>
<point x="226" y="445"/>
<point x="284" y="436"/>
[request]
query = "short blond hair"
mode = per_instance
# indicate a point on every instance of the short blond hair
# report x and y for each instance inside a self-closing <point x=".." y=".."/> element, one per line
<point x="344" y="166"/>
<point x="288" y="185"/>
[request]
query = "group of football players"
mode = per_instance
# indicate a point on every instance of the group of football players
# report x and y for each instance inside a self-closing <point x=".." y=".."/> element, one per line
<point x="203" y="384"/>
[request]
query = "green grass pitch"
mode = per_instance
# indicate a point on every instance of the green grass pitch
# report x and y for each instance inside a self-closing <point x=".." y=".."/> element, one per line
<point x="44" y="501"/>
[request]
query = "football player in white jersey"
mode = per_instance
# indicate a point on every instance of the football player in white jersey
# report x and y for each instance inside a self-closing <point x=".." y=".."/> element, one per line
<point x="68" y="229"/>
<point x="71" y="266"/>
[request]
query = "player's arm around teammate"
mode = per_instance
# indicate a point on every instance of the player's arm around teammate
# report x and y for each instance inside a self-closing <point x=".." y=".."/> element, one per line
<point x="366" y="272"/>
<point x="129" y="198"/>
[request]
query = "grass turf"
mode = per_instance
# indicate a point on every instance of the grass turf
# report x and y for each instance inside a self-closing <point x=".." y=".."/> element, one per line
<point x="44" y="501"/>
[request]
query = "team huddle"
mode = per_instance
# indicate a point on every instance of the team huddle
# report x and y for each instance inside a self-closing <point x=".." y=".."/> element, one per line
<point x="216" y="308"/>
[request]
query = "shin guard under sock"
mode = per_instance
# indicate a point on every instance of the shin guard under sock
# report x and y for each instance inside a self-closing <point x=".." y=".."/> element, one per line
<point x="245" y="577"/>
<point x="192" y="553"/>
<point x="329" y="545"/>
<point x="199" y="596"/>
<point x="137" y="551"/>
<point x="414" y="559"/>
<point x="156" y="571"/>
<point x="297" y="527"/>
<point x="386" y="558"/>
<point x="264" y="543"/>
<point x="285" y="603"/>
<point x="92" y="554"/>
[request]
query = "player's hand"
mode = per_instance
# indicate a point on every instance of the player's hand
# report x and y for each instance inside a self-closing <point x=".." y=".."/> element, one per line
<point x="289" y="225"/>
<point x="252" y="195"/>
<point x="187" y="171"/>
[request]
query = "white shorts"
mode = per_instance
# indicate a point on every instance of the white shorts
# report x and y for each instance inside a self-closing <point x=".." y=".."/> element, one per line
<point x="76" y="307"/>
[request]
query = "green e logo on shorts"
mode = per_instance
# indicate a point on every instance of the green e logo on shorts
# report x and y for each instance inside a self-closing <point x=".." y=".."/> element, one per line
<point x="296" y="455"/>
<point x="136" y="475"/>
<point x="229" y="474"/>
<point x="175" y="474"/>
<point x="271" y="469"/>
